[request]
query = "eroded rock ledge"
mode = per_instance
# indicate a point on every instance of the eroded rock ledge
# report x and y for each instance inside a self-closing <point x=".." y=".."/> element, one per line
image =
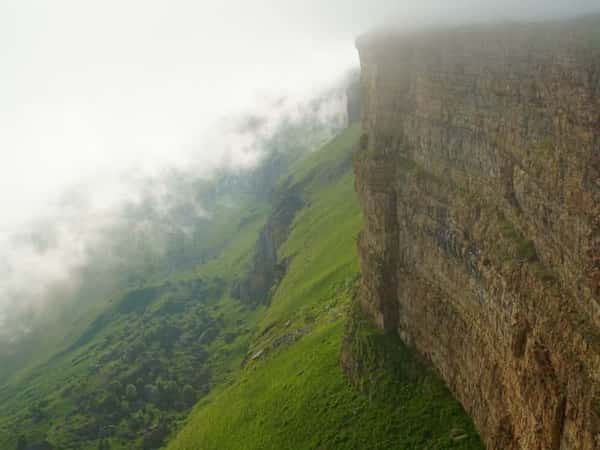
<point x="267" y="269"/>
<point x="479" y="180"/>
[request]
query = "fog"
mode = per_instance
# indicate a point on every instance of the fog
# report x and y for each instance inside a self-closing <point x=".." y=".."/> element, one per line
<point x="97" y="98"/>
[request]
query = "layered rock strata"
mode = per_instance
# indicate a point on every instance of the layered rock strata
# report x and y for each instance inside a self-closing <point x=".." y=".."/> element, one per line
<point x="479" y="178"/>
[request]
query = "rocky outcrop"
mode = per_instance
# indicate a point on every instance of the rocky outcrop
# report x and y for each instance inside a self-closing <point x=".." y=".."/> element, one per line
<point x="479" y="181"/>
<point x="266" y="269"/>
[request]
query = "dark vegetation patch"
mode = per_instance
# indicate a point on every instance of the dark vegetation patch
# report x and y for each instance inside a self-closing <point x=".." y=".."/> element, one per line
<point x="138" y="299"/>
<point x="147" y="367"/>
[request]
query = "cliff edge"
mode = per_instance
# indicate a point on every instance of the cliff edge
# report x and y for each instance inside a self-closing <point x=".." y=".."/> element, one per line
<point x="479" y="179"/>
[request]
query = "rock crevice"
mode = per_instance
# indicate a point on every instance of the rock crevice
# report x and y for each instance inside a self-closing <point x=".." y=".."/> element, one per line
<point x="267" y="268"/>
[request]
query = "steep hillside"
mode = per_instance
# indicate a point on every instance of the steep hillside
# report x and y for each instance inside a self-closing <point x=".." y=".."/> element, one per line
<point x="478" y="176"/>
<point x="152" y="326"/>
<point x="290" y="392"/>
<point x="144" y="360"/>
<point x="248" y="318"/>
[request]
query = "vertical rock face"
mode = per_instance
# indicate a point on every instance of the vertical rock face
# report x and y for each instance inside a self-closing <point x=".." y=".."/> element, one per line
<point x="479" y="179"/>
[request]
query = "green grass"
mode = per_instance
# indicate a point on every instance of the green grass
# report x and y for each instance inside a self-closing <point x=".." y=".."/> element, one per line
<point x="295" y="396"/>
<point x="321" y="244"/>
<point x="82" y="367"/>
<point x="299" y="399"/>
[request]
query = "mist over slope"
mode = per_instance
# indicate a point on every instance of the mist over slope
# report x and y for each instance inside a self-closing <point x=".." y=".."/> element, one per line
<point x="110" y="97"/>
<point x="152" y="307"/>
<point x="129" y="377"/>
<point x="83" y="251"/>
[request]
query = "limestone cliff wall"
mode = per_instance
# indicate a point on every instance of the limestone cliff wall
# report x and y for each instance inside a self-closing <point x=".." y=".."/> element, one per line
<point x="479" y="179"/>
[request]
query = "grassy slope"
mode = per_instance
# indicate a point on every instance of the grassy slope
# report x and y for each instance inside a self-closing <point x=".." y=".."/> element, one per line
<point x="44" y="382"/>
<point x="295" y="396"/>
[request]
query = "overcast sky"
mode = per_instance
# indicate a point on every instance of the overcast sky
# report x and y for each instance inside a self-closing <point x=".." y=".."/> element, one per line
<point x="89" y="89"/>
<point x="90" y="86"/>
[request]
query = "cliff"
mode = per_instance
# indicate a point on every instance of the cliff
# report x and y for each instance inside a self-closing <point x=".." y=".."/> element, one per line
<point x="478" y="176"/>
